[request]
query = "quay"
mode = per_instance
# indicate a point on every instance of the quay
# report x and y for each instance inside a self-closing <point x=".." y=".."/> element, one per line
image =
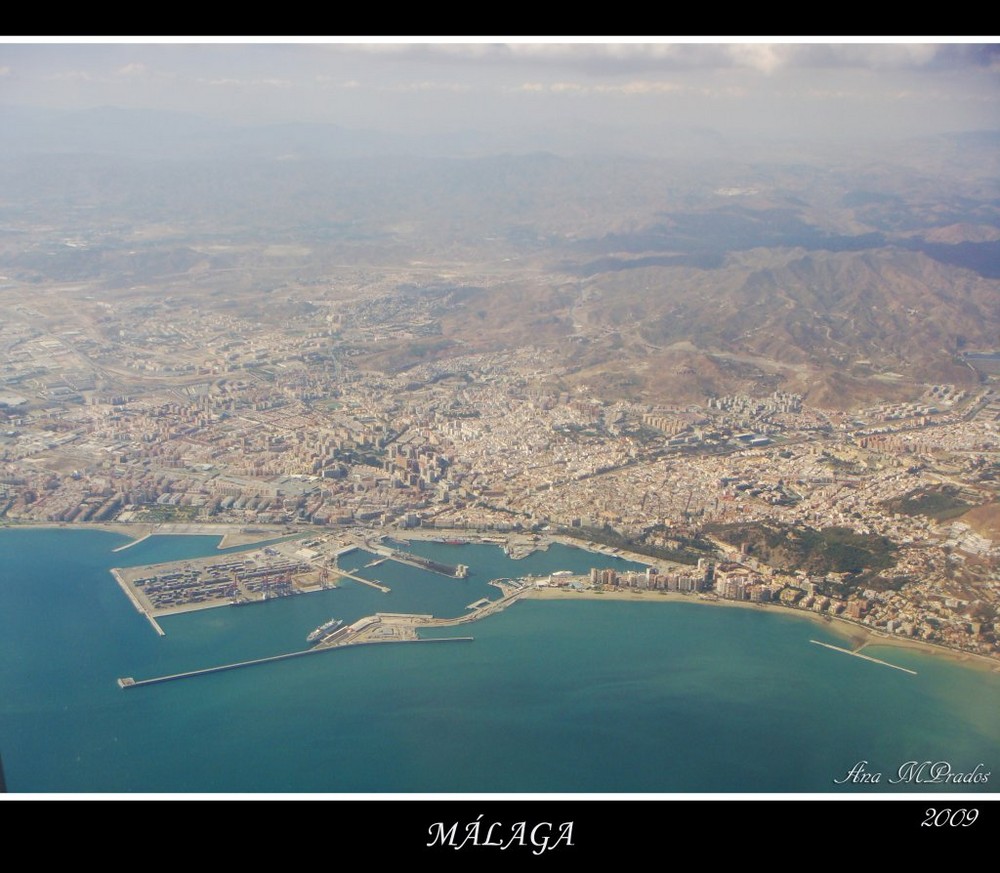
<point x="866" y="657"/>
<point x="130" y="594"/>
<point x="457" y="571"/>
<point x="373" y="583"/>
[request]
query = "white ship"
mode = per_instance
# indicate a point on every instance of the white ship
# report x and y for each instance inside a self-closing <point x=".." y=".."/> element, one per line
<point x="324" y="630"/>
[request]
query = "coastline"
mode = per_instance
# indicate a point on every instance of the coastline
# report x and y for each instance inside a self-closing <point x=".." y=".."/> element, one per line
<point x="231" y="535"/>
<point x="857" y="635"/>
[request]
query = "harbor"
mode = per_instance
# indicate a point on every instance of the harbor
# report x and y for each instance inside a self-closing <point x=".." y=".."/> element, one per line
<point x="520" y="659"/>
<point x="380" y="628"/>
<point x="273" y="571"/>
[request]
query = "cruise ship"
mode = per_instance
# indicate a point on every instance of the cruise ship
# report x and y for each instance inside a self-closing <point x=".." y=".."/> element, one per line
<point x="324" y="630"/>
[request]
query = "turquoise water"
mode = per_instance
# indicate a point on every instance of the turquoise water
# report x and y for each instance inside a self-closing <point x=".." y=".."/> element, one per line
<point x="550" y="697"/>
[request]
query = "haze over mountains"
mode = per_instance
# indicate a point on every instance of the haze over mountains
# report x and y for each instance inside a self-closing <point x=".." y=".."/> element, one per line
<point x="843" y="274"/>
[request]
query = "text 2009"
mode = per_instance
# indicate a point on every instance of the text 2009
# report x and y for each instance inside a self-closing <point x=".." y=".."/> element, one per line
<point x="959" y="818"/>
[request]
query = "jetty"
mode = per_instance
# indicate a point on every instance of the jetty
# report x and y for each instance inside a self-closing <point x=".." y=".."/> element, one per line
<point x="372" y="583"/>
<point x="128" y="682"/>
<point x="866" y="657"/>
<point x="131" y="543"/>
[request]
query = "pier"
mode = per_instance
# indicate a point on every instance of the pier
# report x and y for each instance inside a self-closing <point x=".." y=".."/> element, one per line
<point x="866" y="657"/>
<point x="127" y="682"/>
<point x="456" y="571"/>
<point x="131" y="543"/>
<point x="373" y="583"/>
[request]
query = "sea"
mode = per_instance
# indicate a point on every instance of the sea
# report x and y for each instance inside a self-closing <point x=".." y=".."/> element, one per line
<point x="590" y="697"/>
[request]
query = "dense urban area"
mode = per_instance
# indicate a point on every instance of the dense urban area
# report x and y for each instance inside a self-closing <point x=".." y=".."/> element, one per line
<point x="159" y="410"/>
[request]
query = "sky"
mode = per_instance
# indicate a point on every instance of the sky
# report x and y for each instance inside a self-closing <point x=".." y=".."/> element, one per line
<point x="624" y="93"/>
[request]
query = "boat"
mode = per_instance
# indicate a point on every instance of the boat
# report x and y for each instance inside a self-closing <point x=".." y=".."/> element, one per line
<point x="324" y="630"/>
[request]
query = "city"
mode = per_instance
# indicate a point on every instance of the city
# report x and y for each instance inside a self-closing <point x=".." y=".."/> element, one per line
<point x="178" y="414"/>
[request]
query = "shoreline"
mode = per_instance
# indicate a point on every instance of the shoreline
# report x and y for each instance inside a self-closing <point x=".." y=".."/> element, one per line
<point x="230" y="535"/>
<point x="859" y="636"/>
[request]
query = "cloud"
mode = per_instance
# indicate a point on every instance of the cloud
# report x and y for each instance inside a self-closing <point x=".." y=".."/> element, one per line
<point x="983" y="56"/>
<point x="325" y="81"/>
<point x="635" y="57"/>
<point x="71" y="76"/>
<point x="763" y="58"/>
<point x="134" y="69"/>
<point x="4" y="71"/>
<point x="452" y="87"/>
<point x="633" y="87"/>
<point x="249" y="83"/>
<point x="640" y="87"/>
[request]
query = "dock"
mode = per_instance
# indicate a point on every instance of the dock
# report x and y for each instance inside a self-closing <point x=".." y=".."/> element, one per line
<point x="452" y="571"/>
<point x="866" y="657"/>
<point x="373" y="583"/>
<point x="130" y="594"/>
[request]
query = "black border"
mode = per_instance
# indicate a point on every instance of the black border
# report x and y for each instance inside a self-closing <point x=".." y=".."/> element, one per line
<point x="664" y="832"/>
